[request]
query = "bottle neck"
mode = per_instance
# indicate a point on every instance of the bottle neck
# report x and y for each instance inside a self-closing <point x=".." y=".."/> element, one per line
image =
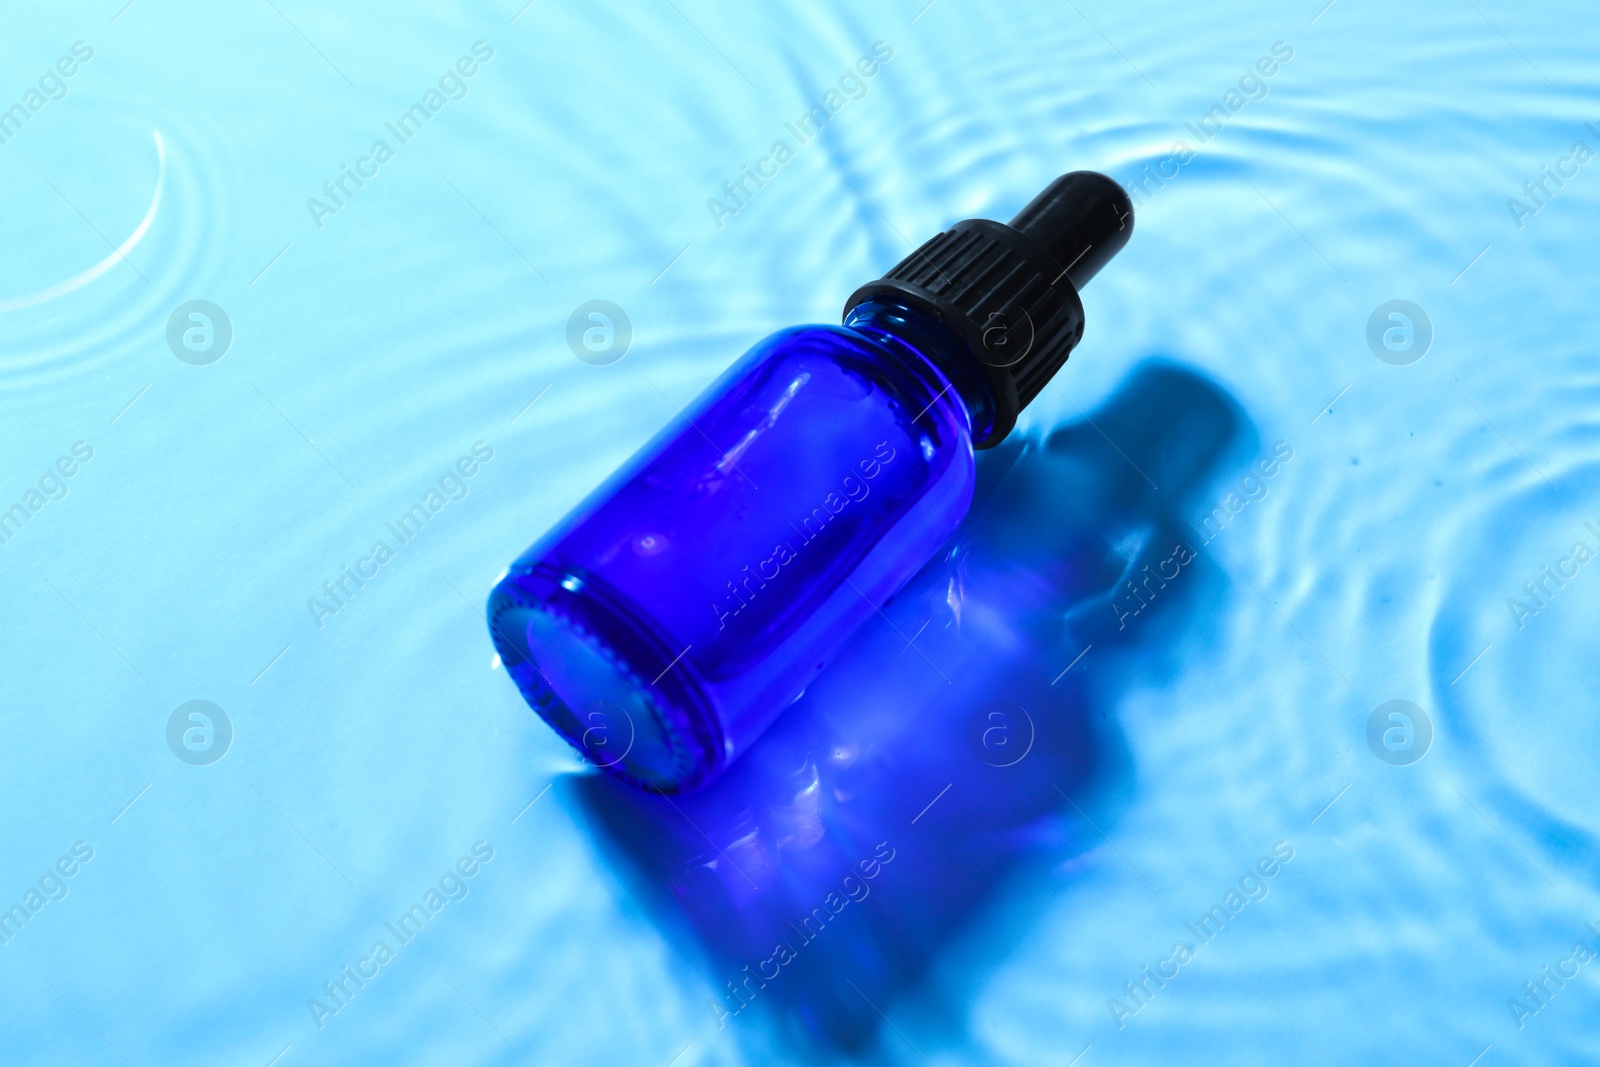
<point x="921" y="339"/>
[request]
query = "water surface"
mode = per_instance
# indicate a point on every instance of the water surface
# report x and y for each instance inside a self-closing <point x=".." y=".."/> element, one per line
<point x="384" y="332"/>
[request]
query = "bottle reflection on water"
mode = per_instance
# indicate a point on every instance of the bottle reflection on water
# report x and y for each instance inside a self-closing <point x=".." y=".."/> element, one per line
<point x="961" y="749"/>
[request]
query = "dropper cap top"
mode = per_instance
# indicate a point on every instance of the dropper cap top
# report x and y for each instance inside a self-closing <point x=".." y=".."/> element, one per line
<point x="1010" y="292"/>
<point x="1081" y="219"/>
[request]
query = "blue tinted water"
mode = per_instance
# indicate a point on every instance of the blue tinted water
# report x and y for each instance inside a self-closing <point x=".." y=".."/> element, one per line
<point x="178" y="514"/>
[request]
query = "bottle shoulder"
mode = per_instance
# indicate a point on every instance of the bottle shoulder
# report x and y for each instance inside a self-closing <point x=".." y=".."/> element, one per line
<point x="887" y="363"/>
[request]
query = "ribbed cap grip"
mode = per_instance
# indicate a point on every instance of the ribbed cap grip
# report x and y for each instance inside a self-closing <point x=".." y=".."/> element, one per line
<point x="1011" y="300"/>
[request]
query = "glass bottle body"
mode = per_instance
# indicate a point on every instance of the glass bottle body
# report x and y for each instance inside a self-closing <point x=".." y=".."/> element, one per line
<point x="663" y="624"/>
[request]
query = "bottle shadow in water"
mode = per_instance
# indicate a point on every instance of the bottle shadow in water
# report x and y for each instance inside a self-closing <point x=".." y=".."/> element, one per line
<point x="897" y="828"/>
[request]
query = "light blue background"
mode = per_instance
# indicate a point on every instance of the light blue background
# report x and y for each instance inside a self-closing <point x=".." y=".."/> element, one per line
<point x="369" y="353"/>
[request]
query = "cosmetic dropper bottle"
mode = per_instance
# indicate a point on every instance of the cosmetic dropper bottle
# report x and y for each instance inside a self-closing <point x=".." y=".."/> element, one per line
<point x="663" y="624"/>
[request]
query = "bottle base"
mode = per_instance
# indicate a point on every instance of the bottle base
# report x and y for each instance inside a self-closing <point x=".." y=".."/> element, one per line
<point x="592" y="675"/>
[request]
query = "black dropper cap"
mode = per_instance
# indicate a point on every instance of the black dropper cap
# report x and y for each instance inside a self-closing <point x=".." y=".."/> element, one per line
<point x="1010" y="291"/>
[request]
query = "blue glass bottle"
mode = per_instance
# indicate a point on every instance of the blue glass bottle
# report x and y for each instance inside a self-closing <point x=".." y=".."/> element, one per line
<point x="664" y="623"/>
